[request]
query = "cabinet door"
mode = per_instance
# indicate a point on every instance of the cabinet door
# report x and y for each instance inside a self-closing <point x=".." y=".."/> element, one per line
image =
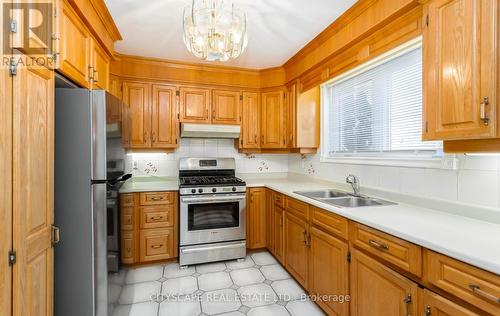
<point x="156" y="244"/>
<point x="99" y="67"/>
<point x="226" y="107"/>
<point x="278" y="231"/>
<point x="115" y="86"/>
<point x="273" y="120"/>
<point x="127" y="247"/>
<point x="328" y="270"/>
<point x="165" y="125"/>
<point x="437" y="305"/>
<point x="74" y="46"/>
<point x="136" y="97"/>
<point x="269" y="221"/>
<point x="194" y="105"/>
<point x="296" y="247"/>
<point x="250" y="127"/>
<point x="256" y="223"/>
<point x="33" y="191"/>
<point x="126" y="125"/>
<point x="459" y="69"/>
<point x="376" y="290"/>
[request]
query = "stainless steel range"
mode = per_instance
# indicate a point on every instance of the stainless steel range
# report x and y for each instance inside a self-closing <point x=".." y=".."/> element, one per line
<point x="212" y="211"/>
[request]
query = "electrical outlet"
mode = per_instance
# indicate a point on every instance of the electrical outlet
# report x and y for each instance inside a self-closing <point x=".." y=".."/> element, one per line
<point x="136" y="165"/>
<point x="450" y="163"/>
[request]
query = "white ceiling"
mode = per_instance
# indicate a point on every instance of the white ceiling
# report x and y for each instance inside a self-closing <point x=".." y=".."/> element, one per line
<point x="277" y="29"/>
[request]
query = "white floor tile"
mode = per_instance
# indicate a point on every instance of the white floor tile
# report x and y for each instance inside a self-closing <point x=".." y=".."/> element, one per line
<point x="211" y="267"/>
<point x="257" y="295"/>
<point x="172" y="270"/>
<point x="139" y="292"/>
<point x="214" y="281"/>
<point x="221" y="301"/>
<point x="232" y="314"/>
<point x="263" y="258"/>
<point x="180" y="308"/>
<point x="145" y="274"/>
<point x="304" y="307"/>
<point x="274" y="272"/>
<point x="180" y="286"/>
<point x="247" y="276"/>
<point x="139" y="309"/>
<point x="235" y="264"/>
<point x="269" y="310"/>
<point x="288" y="290"/>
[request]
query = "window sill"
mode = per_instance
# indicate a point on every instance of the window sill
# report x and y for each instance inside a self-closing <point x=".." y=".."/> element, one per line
<point x="450" y="163"/>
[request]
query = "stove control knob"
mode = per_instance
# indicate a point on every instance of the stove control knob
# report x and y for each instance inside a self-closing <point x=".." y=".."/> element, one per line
<point x="193" y="190"/>
<point x="214" y="190"/>
<point x="233" y="189"/>
<point x="200" y="190"/>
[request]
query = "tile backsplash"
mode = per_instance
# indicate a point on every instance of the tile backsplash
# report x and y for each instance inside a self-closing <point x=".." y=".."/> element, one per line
<point x="475" y="182"/>
<point x="167" y="164"/>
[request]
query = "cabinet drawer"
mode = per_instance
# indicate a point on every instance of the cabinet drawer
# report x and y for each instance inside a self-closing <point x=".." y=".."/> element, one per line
<point x="398" y="252"/>
<point x="278" y="199"/>
<point x="331" y="223"/>
<point x="297" y="207"/>
<point x="127" y="199"/>
<point x="127" y="218"/>
<point x="156" y="244"/>
<point x="154" y="217"/>
<point x="154" y="198"/>
<point x="476" y="286"/>
<point x="127" y="245"/>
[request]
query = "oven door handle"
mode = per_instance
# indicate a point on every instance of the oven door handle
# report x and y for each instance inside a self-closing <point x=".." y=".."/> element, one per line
<point x="213" y="199"/>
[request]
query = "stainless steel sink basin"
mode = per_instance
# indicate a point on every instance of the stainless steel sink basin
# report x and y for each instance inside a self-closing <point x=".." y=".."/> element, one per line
<point x="323" y="194"/>
<point x="353" y="201"/>
<point x="343" y="199"/>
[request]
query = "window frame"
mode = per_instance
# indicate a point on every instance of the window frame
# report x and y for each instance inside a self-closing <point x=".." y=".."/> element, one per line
<point x="419" y="159"/>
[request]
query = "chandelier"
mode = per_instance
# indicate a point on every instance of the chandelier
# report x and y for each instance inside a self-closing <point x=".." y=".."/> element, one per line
<point x="213" y="31"/>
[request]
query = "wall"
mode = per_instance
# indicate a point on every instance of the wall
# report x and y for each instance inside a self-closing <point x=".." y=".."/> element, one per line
<point x="476" y="182"/>
<point x="167" y="164"/>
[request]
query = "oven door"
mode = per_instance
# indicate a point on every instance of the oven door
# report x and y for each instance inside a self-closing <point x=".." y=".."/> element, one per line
<point x="213" y="218"/>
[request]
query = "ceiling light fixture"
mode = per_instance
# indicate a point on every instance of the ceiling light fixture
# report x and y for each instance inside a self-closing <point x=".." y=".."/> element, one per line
<point x="213" y="31"/>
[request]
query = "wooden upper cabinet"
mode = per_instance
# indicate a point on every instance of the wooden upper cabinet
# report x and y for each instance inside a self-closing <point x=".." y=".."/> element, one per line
<point x="137" y="96"/>
<point x="256" y="215"/>
<point x="74" y="47"/>
<point x="99" y="67"/>
<point x="115" y="86"/>
<point x="296" y="247"/>
<point x="194" y="105"/>
<point x="436" y="305"/>
<point x="292" y="97"/>
<point x="226" y="107"/>
<point x="377" y="290"/>
<point x="250" y="125"/>
<point x="165" y="125"/>
<point x="459" y="69"/>
<point x="328" y="270"/>
<point x="273" y="120"/>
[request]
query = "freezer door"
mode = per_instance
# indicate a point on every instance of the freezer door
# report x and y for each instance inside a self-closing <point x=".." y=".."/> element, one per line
<point x="98" y="104"/>
<point x="99" y="213"/>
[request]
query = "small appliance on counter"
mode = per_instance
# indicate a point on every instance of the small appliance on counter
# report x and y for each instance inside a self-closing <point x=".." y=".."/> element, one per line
<point x="212" y="211"/>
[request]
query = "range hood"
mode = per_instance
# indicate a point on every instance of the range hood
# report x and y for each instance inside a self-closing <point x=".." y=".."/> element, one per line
<point x="209" y="131"/>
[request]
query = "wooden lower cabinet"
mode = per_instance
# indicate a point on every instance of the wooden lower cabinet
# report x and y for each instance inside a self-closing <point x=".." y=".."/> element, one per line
<point x="278" y="220"/>
<point x="296" y="247"/>
<point x="377" y="290"/>
<point x="149" y="226"/>
<point x="256" y="218"/>
<point x="328" y="271"/>
<point x="436" y="305"/>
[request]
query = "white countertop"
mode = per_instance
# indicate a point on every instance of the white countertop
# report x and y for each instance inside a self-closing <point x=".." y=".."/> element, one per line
<point x="468" y="239"/>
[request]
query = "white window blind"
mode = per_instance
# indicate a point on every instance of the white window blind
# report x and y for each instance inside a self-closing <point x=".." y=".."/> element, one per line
<point x="377" y="110"/>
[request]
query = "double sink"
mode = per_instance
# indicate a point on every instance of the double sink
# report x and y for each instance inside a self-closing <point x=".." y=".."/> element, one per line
<point x="343" y="199"/>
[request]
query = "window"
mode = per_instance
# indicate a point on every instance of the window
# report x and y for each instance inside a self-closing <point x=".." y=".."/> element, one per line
<point x="374" y="112"/>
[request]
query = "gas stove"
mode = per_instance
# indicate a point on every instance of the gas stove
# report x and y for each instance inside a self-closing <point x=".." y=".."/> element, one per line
<point x="209" y="176"/>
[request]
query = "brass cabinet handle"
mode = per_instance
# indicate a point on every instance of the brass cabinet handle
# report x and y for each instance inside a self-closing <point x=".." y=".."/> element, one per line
<point x="207" y="113"/>
<point x="156" y="218"/>
<point x="427" y="310"/>
<point x="408" y="301"/>
<point x="378" y="245"/>
<point x="251" y="197"/>
<point x="157" y="246"/>
<point x="482" y="109"/>
<point x="304" y="235"/>
<point x="153" y="134"/>
<point x="255" y="138"/>
<point x="95" y="76"/>
<point x="157" y="198"/>
<point x="476" y="289"/>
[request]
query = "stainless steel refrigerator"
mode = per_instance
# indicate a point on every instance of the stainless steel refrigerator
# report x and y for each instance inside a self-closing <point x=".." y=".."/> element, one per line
<point x="84" y="132"/>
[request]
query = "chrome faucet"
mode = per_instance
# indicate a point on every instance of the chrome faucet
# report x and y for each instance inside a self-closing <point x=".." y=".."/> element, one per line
<point x="354" y="182"/>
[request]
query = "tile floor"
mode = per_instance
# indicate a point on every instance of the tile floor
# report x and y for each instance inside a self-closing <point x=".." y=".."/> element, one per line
<point x="257" y="286"/>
